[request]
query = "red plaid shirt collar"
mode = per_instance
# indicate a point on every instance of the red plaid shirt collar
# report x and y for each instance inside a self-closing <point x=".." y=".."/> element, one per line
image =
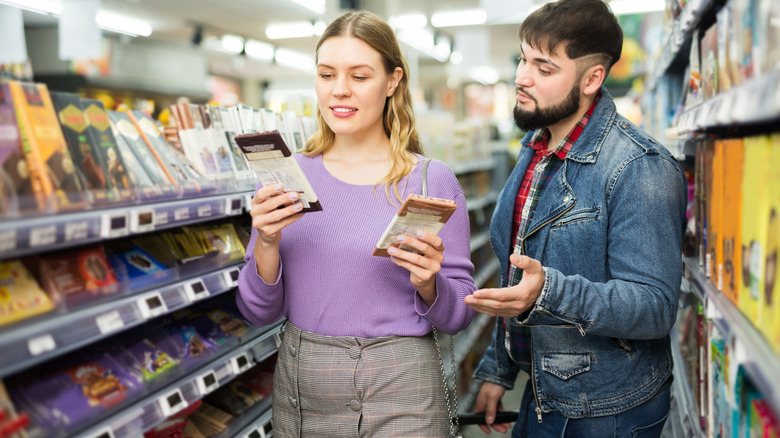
<point x="541" y="137"/>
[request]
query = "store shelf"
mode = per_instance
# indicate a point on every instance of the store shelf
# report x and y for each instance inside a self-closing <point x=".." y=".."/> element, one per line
<point x="467" y="338"/>
<point x="479" y="240"/>
<point x="488" y="271"/>
<point x="481" y="201"/>
<point x="686" y="423"/>
<point x="753" y="102"/>
<point x="750" y="349"/>
<point x="42" y="339"/>
<point x="255" y="423"/>
<point x="474" y="165"/>
<point x="32" y="235"/>
<point x="153" y="409"/>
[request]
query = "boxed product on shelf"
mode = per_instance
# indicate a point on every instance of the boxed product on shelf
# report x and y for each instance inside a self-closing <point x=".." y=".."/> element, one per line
<point x="773" y="35"/>
<point x="726" y="44"/>
<point x="149" y="360"/>
<point x="770" y="308"/>
<point x="142" y="269"/>
<point x="744" y="17"/>
<point x="244" y="175"/>
<point x="217" y="141"/>
<point x="720" y="416"/>
<point x="714" y="185"/>
<point x="694" y="73"/>
<point x="763" y="423"/>
<point x="709" y="62"/>
<point x="16" y="190"/>
<point x="733" y="157"/>
<point x="55" y="183"/>
<point x="189" y="343"/>
<point x="194" y="139"/>
<point x="69" y="397"/>
<point x="209" y="419"/>
<point x="79" y="276"/>
<point x="20" y="295"/>
<point x="12" y="425"/>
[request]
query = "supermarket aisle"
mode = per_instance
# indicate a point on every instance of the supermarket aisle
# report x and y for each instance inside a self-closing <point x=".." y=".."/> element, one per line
<point x="511" y="401"/>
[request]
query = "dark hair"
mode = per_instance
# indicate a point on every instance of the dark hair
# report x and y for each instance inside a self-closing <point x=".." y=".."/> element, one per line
<point x="586" y="27"/>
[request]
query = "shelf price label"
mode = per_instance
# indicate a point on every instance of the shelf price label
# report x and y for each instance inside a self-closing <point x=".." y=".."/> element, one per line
<point x="204" y="210"/>
<point x="41" y="344"/>
<point x="231" y="277"/>
<point x="105" y="432"/>
<point x="76" y="231"/>
<point x="172" y="403"/>
<point x="8" y="240"/>
<point x="161" y="218"/>
<point x="109" y="322"/>
<point x="114" y="225"/>
<point x="142" y="221"/>
<point x="233" y="206"/>
<point x="248" y="202"/>
<point x="42" y="236"/>
<point x="181" y="214"/>
<point x="196" y="290"/>
<point x="152" y="305"/>
<point x="207" y="382"/>
<point x="255" y="433"/>
<point x="240" y="363"/>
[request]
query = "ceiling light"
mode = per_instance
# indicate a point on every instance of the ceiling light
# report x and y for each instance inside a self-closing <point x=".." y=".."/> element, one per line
<point x="293" y="59"/>
<point x="484" y="74"/>
<point x="122" y="24"/>
<point x="456" y="57"/>
<point x="39" y="6"/>
<point x="232" y="43"/>
<point x="408" y="21"/>
<point x="319" y="27"/>
<point x="317" y="6"/>
<point x="443" y="48"/>
<point x="625" y="7"/>
<point x="259" y="50"/>
<point x="465" y="17"/>
<point x="299" y="29"/>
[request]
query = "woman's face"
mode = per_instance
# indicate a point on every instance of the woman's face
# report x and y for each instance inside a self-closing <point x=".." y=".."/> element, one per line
<point x="352" y="86"/>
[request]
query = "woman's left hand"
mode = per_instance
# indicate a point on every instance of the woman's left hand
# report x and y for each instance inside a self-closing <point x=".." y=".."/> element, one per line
<point x="423" y="267"/>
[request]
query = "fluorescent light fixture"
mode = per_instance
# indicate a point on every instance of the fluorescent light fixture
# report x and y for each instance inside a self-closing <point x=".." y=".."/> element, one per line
<point x="316" y="6"/>
<point x="443" y="48"/>
<point x="408" y="21"/>
<point x="420" y="39"/>
<point x="122" y="24"/>
<point x="39" y="6"/>
<point x="232" y="43"/>
<point x="484" y="74"/>
<point x="625" y="7"/>
<point x="259" y="50"/>
<point x="456" y="57"/>
<point x="293" y="59"/>
<point x="319" y="27"/>
<point x="464" y="17"/>
<point x="300" y="29"/>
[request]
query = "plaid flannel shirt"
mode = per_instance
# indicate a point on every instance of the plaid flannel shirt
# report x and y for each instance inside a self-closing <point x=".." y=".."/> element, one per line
<point x="542" y="168"/>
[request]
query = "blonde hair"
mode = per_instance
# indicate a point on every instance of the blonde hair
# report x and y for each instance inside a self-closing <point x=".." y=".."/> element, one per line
<point x="398" y="115"/>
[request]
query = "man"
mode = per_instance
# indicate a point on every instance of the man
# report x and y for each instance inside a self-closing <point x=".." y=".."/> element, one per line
<point x="593" y="216"/>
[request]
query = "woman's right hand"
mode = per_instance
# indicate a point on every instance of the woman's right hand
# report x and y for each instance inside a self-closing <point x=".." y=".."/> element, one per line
<point x="267" y="216"/>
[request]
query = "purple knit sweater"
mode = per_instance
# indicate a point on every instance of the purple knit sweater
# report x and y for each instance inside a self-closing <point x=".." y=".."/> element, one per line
<point x="329" y="283"/>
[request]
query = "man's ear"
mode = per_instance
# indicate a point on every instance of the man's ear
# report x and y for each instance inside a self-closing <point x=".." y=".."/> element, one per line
<point x="395" y="79"/>
<point x="593" y="79"/>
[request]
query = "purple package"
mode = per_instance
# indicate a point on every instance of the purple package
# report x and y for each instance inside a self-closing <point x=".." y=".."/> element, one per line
<point x="189" y="343"/>
<point x="72" y="395"/>
<point x="15" y="181"/>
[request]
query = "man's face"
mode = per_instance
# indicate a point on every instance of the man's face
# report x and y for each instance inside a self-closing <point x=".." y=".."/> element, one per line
<point x="548" y="88"/>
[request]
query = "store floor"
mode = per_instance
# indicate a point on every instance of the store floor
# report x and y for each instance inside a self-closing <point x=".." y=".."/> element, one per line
<point x="511" y="401"/>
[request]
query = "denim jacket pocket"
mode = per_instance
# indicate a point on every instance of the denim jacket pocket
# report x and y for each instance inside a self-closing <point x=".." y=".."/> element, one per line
<point x="577" y="216"/>
<point x="566" y="365"/>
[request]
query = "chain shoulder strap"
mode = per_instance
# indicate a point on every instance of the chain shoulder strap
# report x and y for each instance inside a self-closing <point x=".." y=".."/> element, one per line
<point x="452" y="404"/>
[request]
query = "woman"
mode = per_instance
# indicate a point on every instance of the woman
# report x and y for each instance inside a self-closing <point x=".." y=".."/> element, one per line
<point x="357" y="357"/>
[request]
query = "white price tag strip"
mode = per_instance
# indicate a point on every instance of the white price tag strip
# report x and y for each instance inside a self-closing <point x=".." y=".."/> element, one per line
<point x="142" y="221"/>
<point x="231" y="277"/>
<point x="43" y="236"/>
<point x="233" y="206"/>
<point x="181" y="214"/>
<point x="41" y="344"/>
<point x="248" y="202"/>
<point x="207" y="382"/>
<point x="76" y="231"/>
<point x="240" y="363"/>
<point x="114" y="225"/>
<point x="106" y="432"/>
<point x="109" y="322"/>
<point x="152" y="305"/>
<point x="172" y="403"/>
<point x="161" y="218"/>
<point x="196" y="290"/>
<point x="8" y="240"/>
<point x="204" y="210"/>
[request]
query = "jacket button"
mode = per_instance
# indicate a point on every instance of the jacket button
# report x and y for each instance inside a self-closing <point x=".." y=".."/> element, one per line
<point x="355" y="405"/>
<point x="566" y="198"/>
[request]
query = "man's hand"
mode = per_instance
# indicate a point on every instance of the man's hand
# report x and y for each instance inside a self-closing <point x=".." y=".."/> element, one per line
<point x="511" y="301"/>
<point x="489" y="402"/>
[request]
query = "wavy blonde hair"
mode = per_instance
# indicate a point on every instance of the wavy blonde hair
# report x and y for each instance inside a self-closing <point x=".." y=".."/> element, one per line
<point x="398" y="115"/>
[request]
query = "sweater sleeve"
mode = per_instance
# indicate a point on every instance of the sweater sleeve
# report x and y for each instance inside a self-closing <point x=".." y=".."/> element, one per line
<point x="261" y="303"/>
<point x="455" y="280"/>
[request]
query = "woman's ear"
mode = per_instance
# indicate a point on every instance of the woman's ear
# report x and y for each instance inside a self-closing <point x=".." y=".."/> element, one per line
<point x="395" y="79"/>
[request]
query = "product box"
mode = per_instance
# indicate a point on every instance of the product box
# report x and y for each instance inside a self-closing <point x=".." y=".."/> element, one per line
<point x="54" y="179"/>
<point x="142" y="269"/>
<point x="744" y="11"/>
<point x="80" y="276"/>
<point x="191" y="345"/>
<point x="715" y="215"/>
<point x="150" y="360"/>
<point x="709" y="62"/>
<point x="16" y="191"/>
<point x="733" y="158"/>
<point x="20" y="295"/>
<point x="770" y="295"/>
<point x="694" y="96"/>
<point x="755" y="222"/>
<point x="726" y="43"/>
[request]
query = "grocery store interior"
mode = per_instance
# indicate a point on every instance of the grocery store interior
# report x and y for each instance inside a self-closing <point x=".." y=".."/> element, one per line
<point x="117" y="283"/>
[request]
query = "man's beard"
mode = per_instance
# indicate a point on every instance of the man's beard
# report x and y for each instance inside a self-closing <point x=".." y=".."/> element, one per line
<point x="540" y="118"/>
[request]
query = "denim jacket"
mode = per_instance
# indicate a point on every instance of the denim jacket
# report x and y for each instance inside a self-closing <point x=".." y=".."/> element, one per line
<point x="608" y="231"/>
